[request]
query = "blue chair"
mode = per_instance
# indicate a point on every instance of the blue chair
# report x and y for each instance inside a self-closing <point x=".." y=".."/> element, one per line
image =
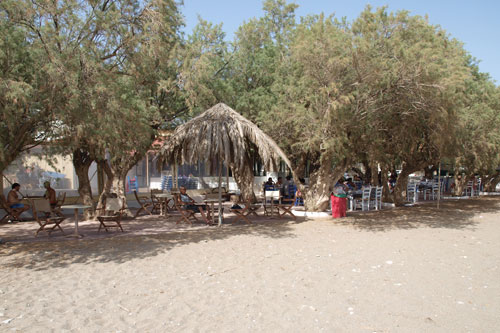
<point x="269" y="187"/>
<point x="292" y="189"/>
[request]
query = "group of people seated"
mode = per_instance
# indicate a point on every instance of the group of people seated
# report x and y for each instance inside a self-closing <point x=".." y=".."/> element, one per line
<point x="15" y="197"/>
<point x="287" y="187"/>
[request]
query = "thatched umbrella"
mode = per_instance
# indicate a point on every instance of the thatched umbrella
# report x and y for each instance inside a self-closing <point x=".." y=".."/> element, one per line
<point x="221" y="133"/>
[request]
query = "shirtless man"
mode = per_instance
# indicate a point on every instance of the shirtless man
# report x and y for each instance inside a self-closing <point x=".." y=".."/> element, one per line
<point x="15" y="203"/>
<point x="50" y="194"/>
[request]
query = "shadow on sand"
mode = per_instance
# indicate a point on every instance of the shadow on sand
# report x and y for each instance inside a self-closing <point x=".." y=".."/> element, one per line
<point x="58" y="251"/>
<point x="150" y="236"/>
<point x="452" y="214"/>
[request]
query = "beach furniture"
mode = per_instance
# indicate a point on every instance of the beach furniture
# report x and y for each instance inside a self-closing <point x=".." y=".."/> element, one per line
<point x="61" y="197"/>
<point x="144" y="206"/>
<point x="156" y="202"/>
<point x="10" y="213"/>
<point x="187" y="215"/>
<point x="364" y="201"/>
<point x="243" y="213"/>
<point x="286" y="206"/>
<point x="111" y="214"/>
<point x="42" y="212"/>
<point x="271" y="202"/>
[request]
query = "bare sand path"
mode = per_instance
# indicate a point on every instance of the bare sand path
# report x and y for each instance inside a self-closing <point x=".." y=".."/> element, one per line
<point x="404" y="270"/>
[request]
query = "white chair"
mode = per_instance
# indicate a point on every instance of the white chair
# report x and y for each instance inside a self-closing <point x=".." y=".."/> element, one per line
<point x="435" y="190"/>
<point x="411" y="192"/>
<point x="365" y="199"/>
<point x="469" y="189"/>
<point x="378" y="197"/>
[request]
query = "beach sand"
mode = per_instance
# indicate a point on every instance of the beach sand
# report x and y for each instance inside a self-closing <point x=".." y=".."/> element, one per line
<point x="409" y="269"/>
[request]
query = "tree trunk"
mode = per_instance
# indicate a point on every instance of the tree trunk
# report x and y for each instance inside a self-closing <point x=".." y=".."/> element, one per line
<point x="321" y="185"/>
<point x="399" y="193"/>
<point x="385" y="184"/>
<point x="367" y="176"/>
<point x="429" y="172"/>
<point x="106" y="188"/>
<point x="81" y="163"/>
<point x="244" y="179"/>
<point x="491" y="183"/>
<point x="374" y="174"/>
<point x="1" y="183"/>
<point x="460" y="183"/>
<point x="300" y="168"/>
<point x="117" y="173"/>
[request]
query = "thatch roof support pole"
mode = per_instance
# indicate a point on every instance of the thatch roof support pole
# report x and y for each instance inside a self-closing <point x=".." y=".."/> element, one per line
<point x="439" y="184"/>
<point x="220" y="192"/>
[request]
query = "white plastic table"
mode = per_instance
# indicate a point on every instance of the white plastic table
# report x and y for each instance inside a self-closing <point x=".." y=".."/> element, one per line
<point x="76" y="207"/>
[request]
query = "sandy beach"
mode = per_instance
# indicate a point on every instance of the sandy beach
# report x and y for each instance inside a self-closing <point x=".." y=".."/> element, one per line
<point x="410" y="269"/>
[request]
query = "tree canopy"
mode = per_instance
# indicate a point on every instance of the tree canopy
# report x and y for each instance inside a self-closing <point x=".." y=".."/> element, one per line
<point x="386" y="90"/>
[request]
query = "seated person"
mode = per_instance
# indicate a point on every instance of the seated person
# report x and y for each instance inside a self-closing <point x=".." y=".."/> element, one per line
<point x="50" y="194"/>
<point x="289" y="184"/>
<point x="188" y="203"/>
<point x="234" y="200"/>
<point x="14" y="202"/>
<point x="269" y="185"/>
<point x="350" y="184"/>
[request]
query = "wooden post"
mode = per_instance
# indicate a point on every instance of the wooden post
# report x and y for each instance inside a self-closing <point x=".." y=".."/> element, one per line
<point x="100" y="179"/>
<point x="175" y="182"/>
<point x="439" y="184"/>
<point x="220" y="191"/>
<point x="147" y="170"/>
<point x="227" y="178"/>
<point x="1" y="182"/>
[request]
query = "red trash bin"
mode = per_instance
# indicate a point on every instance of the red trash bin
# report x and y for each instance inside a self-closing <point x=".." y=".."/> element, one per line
<point x="339" y="205"/>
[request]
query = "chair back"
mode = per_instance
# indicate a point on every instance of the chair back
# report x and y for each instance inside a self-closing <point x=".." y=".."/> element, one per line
<point x="272" y="195"/>
<point x="212" y="195"/>
<point x="61" y="197"/>
<point x="154" y="192"/>
<point x="378" y="192"/>
<point x="216" y="190"/>
<point x="137" y="197"/>
<point x="366" y="192"/>
<point x="41" y="205"/>
<point x="292" y="189"/>
<point x="3" y="203"/>
<point x="114" y="205"/>
<point x="268" y="187"/>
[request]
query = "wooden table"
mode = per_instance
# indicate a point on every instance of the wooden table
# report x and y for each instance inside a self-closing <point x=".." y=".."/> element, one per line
<point x="212" y="203"/>
<point x="76" y="207"/>
<point x="166" y="197"/>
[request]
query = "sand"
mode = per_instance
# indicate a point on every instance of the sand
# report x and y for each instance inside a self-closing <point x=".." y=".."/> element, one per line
<point x="404" y="270"/>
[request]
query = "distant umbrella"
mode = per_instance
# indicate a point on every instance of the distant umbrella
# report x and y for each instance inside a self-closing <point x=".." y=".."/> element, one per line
<point x="53" y="174"/>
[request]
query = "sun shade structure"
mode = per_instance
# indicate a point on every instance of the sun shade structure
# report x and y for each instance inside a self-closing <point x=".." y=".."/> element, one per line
<point x="219" y="135"/>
